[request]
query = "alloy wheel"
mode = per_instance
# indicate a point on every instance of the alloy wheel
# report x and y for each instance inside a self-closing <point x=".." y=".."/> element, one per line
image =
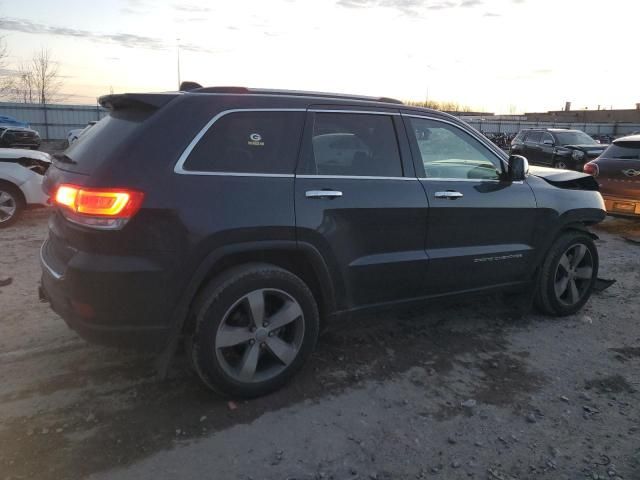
<point x="573" y="274"/>
<point x="8" y="206"/>
<point x="260" y="335"/>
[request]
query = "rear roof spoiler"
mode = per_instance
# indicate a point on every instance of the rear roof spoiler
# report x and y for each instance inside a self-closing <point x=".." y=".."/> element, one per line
<point x="133" y="100"/>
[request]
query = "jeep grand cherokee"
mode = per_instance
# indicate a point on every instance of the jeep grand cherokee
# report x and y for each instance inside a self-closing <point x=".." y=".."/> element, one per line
<point x="242" y="219"/>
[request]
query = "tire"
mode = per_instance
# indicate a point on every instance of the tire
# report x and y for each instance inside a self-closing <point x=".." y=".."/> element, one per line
<point x="11" y="204"/>
<point x="561" y="164"/>
<point x="554" y="296"/>
<point x="238" y="357"/>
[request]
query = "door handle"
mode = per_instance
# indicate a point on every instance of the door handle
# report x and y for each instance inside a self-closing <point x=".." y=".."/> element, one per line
<point x="322" y="194"/>
<point x="449" y="194"/>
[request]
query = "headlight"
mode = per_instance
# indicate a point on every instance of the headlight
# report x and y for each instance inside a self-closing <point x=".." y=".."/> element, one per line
<point x="578" y="155"/>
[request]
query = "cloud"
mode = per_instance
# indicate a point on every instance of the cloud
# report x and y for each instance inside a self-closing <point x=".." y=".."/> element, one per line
<point x="410" y="7"/>
<point x="191" y="8"/>
<point x="127" y="40"/>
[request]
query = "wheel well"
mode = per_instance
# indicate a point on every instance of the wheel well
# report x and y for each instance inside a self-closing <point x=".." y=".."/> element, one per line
<point x="14" y="187"/>
<point x="294" y="261"/>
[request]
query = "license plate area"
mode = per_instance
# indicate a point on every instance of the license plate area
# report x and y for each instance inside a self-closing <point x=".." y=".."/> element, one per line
<point x="623" y="207"/>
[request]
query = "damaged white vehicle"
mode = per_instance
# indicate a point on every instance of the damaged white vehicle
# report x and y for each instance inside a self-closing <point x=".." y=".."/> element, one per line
<point x="21" y="173"/>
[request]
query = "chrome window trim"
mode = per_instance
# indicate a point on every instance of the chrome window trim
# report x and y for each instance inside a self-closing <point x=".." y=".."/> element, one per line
<point x="484" y="141"/>
<point x="354" y="177"/>
<point x="473" y="180"/>
<point x="236" y="174"/>
<point x="54" y="274"/>
<point x="179" y="167"/>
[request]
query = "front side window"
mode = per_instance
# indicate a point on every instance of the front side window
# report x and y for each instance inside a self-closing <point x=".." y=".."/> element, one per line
<point x="546" y="137"/>
<point x="354" y="144"/>
<point x="449" y="152"/>
<point x="249" y="142"/>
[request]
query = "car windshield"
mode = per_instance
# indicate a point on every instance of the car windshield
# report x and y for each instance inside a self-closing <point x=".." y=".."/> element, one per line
<point x="574" y="138"/>
<point x="623" y="151"/>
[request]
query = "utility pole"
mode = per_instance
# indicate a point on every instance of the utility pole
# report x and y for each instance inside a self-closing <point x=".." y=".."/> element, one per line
<point x="178" y="57"/>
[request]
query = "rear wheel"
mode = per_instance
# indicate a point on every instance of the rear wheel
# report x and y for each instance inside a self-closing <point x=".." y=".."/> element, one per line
<point x="568" y="274"/>
<point x="255" y="327"/>
<point x="11" y="204"/>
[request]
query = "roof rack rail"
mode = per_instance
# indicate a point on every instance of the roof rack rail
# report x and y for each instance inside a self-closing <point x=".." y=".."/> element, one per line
<point x="295" y="93"/>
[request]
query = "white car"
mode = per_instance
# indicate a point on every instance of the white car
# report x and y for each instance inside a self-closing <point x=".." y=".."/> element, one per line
<point x="76" y="133"/>
<point x="21" y="174"/>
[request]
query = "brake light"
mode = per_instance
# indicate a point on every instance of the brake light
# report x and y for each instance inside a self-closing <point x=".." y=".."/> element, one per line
<point x="591" y="168"/>
<point x="103" y="208"/>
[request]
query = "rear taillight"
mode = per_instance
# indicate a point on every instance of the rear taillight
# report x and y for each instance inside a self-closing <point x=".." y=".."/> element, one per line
<point x="591" y="168"/>
<point x="101" y="208"/>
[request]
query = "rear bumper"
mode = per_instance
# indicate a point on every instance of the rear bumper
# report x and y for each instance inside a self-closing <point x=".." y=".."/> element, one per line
<point x="614" y="204"/>
<point x="107" y="301"/>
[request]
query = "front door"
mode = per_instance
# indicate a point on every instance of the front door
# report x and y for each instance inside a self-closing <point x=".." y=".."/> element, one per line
<point x="480" y="227"/>
<point x="359" y="203"/>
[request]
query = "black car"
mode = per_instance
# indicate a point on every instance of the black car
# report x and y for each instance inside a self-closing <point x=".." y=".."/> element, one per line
<point x="19" y="137"/>
<point x="557" y="147"/>
<point x="263" y="214"/>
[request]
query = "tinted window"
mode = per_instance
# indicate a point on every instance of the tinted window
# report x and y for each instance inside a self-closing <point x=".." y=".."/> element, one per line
<point x="534" y="137"/>
<point x="449" y="152"/>
<point x="623" y="151"/>
<point x="520" y="136"/>
<point x="355" y="144"/>
<point x="249" y="142"/>
<point x="101" y="141"/>
<point x="574" y="138"/>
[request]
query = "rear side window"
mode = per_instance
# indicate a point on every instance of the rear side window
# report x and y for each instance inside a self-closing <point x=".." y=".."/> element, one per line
<point x="623" y="151"/>
<point x="354" y="144"/>
<point x="249" y="142"/>
<point x="534" y="137"/>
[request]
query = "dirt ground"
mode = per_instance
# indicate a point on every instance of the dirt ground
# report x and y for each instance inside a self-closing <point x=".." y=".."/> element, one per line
<point x="457" y="390"/>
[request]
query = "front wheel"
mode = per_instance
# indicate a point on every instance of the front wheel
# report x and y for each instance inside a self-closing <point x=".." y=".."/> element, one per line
<point x="255" y="327"/>
<point x="11" y="204"/>
<point x="568" y="274"/>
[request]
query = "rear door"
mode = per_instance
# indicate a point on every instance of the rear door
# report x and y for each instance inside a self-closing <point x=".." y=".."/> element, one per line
<point x="359" y="203"/>
<point x="480" y="227"/>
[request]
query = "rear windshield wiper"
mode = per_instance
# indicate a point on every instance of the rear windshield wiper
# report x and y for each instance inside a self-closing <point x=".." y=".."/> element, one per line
<point x="64" y="158"/>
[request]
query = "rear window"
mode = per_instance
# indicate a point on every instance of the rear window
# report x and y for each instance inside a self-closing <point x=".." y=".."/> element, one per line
<point x="623" y="151"/>
<point x="101" y="141"/>
<point x="249" y="142"/>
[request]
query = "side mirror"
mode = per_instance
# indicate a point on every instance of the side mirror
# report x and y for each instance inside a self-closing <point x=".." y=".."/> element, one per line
<point x="548" y="142"/>
<point x="518" y="168"/>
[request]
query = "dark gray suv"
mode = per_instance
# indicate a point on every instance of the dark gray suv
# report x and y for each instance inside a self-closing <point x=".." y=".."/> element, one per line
<point x="241" y="220"/>
<point x="556" y="147"/>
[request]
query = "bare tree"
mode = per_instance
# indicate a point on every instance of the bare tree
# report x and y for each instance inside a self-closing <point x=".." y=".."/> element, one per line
<point x="6" y="81"/>
<point x="37" y="81"/>
<point x="45" y="77"/>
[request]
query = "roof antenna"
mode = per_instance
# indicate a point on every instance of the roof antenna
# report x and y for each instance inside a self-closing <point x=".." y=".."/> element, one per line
<point x="188" y="86"/>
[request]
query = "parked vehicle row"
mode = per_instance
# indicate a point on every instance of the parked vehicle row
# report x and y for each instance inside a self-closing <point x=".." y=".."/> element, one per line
<point x="266" y="213"/>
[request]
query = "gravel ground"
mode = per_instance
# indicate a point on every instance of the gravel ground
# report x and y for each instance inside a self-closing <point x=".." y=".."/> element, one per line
<point x="457" y="390"/>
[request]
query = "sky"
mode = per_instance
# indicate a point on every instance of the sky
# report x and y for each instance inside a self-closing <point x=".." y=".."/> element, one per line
<point x="503" y="56"/>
